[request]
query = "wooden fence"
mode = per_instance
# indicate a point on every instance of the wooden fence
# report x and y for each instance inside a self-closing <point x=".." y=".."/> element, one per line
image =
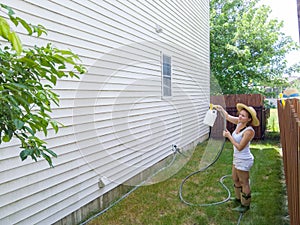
<point x="289" y="124"/>
<point x="229" y="103"/>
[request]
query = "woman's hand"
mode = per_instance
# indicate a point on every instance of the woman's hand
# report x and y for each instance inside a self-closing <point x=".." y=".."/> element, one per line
<point x="222" y="111"/>
<point x="226" y="133"/>
<point x="218" y="107"/>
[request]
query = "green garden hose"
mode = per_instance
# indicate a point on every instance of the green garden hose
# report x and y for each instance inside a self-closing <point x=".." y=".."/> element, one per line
<point x="221" y="181"/>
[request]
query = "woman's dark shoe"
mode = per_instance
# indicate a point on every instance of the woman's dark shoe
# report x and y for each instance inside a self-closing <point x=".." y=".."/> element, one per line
<point x="245" y="203"/>
<point x="241" y="208"/>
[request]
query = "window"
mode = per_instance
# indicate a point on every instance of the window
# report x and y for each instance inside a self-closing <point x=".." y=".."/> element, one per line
<point x="166" y="76"/>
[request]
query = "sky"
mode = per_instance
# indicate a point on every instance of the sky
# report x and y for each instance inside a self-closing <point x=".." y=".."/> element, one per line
<point x="287" y="11"/>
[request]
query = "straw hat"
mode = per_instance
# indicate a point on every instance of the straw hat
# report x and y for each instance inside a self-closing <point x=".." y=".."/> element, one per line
<point x="251" y="111"/>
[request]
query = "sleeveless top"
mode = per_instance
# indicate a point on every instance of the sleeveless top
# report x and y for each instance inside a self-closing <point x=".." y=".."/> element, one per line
<point x="244" y="153"/>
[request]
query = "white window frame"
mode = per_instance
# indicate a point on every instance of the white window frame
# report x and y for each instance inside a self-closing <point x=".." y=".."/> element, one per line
<point x="166" y="81"/>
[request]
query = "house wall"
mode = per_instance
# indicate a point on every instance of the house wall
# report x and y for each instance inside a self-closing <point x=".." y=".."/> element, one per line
<point x="117" y="123"/>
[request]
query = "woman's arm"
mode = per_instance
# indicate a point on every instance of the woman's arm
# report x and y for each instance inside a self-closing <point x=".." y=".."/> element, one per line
<point x="232" y="119"/>
<point x="247" y="137"/>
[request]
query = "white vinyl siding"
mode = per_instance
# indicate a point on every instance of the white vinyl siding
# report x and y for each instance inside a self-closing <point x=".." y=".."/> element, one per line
<point x="116" y="122"/>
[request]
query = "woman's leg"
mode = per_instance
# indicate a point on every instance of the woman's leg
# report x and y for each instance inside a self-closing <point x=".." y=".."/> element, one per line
<point x="235" y="177"/>
<point x="236" y="184"/>
<point x="243" y="177"/>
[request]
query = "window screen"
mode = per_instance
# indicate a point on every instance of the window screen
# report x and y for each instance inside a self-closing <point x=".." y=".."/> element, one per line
<point x="166" y="75"/>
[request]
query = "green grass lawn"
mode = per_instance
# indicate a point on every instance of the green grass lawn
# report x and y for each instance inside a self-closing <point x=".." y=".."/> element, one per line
<point x="273" y="125"/>
<point x="159" y="204"/>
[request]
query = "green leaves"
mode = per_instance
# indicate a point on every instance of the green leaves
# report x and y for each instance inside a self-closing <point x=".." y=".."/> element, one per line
<point x="25" y="101"/>
<point x="19" y="124"/>
<point x="9" y="35"/>
<point x="246" y="45"/>
<point x="35" y="148"/>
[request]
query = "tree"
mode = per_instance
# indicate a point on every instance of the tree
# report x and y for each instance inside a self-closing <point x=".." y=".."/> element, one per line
<point x="247" y="49"/>
<point x="295" y="84"/>
<point x="27" y="78"/>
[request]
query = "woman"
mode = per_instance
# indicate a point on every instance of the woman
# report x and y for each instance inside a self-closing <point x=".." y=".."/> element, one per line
<point x="242" y="156"/>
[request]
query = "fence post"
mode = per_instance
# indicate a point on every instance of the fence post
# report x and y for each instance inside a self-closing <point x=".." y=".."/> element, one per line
<point x="290" y="140"/>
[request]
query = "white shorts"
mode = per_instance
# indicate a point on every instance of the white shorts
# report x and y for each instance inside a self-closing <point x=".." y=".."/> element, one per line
<point x="243" y="164"/>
